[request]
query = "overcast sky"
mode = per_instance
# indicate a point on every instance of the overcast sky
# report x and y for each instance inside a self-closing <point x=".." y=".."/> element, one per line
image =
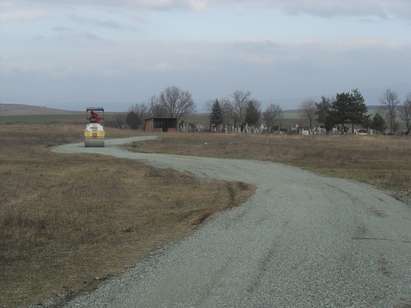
<point x="117" y="52"/>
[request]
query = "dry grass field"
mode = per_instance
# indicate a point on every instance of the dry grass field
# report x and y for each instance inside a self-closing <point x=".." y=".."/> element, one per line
<point x="378" y="160"/>
<point x="68" y="222"/>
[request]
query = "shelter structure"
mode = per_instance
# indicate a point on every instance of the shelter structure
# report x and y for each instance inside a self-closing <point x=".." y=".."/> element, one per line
<point x="160" y="124"/>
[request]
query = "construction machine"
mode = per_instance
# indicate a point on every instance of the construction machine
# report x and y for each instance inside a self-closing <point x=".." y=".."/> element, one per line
<point x="94" y="133"/>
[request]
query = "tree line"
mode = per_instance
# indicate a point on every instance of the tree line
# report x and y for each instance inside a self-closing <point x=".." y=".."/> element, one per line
<point x="171" y="102"/>
<point x="349" y="108"/>
<point x="235" y="113"/>
<point x="344" y="112"/>
<point x="241" y="111"/>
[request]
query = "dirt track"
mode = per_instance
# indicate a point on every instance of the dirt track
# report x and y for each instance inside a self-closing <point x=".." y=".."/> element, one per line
<point x="302" y="241"/>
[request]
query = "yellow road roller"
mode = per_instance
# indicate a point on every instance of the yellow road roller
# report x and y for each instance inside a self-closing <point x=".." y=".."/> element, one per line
<point x="94" y="133"/>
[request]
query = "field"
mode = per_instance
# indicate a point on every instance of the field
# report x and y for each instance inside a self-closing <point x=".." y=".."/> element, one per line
<point x="68" y="222"/>
<point x="381" y="161"/>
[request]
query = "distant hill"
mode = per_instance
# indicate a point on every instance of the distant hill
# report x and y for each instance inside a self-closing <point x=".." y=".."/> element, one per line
<point x="373" y="109"/>
<point x="20" y="110"/>
<point x="19" y="113"/>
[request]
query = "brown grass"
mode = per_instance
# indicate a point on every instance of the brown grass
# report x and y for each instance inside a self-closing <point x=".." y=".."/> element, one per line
<point x="67" y="221"/>
<point x="381" y="161"/>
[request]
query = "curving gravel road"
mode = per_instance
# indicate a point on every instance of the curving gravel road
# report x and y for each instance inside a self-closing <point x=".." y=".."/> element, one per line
<point x="301" y="241"/>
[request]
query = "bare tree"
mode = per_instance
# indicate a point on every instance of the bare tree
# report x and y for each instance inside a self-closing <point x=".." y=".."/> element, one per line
<point x="240" y="104"/>
<point x="271" y="116"/>
<point x="309" y="111"/>
<point x="155" y="108"/>
<point x="140" y="109"/>
<point x="135" y="116"/>
<point x="174" y="102"/>
<point x="405" y="113"/>
<point x="391" y="102"/>
<point x="228" y="113"/>
<point x="119" y="120"/>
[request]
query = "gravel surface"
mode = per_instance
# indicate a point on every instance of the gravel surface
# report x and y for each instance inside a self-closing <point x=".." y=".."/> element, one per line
<point x="302" y="240"/>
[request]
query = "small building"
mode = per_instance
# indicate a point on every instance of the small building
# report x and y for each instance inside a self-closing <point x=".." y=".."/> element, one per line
<point x="160" y="124"/>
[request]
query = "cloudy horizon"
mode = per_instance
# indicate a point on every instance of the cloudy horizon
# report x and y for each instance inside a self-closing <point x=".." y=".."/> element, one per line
<point x="115" y="53"/>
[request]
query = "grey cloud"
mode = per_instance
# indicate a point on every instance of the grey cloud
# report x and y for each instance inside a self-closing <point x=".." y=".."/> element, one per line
<point x="17" y="12"/>
<point x="134" y="4"/>
<point x="61" y="29"/>
<point x="27" y="10"/>
<point x="330" y="8"/>
<point x="324" y="8"/>
<point x="90" y="36"/>
<point x="104" y="23"/>
<point x="284" y="73"/>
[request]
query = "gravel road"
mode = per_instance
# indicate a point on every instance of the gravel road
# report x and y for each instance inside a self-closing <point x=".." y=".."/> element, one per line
<point x="302" y="240"/>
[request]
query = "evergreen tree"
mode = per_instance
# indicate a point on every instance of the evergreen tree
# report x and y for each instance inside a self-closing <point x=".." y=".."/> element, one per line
<point x="330" y="121"/>
<point x="367" y="122"/>
<point x="378" y="123"/>
<point x="358" y="109"/>
<point x="323" y="110"/>
<point x="253" y="114"/>
<point x="349" y="107"/>
<point x="216" y="115"/>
